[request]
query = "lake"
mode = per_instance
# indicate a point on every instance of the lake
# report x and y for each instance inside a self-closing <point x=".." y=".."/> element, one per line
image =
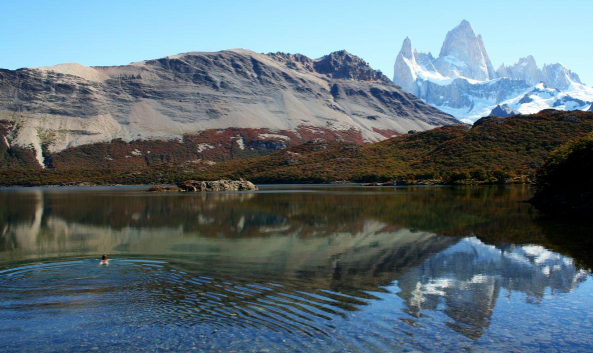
<point x="291" y="269"/>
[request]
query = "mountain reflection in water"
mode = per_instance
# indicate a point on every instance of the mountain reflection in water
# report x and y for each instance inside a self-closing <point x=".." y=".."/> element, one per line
<point x="318" y="261"/>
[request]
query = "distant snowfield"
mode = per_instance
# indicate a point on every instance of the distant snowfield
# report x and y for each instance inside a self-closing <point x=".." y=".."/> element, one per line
<point x="531" y="101"/>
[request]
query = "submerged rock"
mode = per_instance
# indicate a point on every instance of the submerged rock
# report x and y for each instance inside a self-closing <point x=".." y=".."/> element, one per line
<point x="216" y="185"/>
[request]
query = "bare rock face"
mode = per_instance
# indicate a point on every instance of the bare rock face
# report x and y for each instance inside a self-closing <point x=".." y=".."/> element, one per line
<point x="558" y="76"/>
<point x="463" y="54"/>
<point x="405" y="69"/>
<point x="216" y="185"/>
<point x="525" y="69"/>
<point x="344" y="65"/>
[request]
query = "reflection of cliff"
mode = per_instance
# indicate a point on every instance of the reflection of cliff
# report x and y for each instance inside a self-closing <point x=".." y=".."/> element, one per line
<point x="362" y="259"/>
<point x="21" y="215"/>
<point x="485" y="211"/>
<point x="469" y="276"/>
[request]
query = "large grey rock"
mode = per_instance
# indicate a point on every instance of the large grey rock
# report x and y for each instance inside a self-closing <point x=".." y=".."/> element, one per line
<point x="216" y="185"/>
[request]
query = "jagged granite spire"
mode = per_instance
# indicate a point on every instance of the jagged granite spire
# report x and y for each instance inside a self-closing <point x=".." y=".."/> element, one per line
<point x="405" y="68"/>
<point x="406" y="50"/>
<point x="463" y="54"/>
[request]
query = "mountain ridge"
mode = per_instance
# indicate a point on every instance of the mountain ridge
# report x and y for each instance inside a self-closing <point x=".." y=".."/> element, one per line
<point x="290" y="97"/>
<point x="463" y="82"/>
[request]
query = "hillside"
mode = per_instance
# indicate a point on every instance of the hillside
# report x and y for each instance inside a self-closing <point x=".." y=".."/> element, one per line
<point x="199" y="106"/>
<point x="565" y="183"/>
<point x="492" y="150"/>
<point x="492" y="147"/>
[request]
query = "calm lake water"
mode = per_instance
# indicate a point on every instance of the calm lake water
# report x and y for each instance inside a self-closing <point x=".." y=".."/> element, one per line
<point x="287" y="269"/>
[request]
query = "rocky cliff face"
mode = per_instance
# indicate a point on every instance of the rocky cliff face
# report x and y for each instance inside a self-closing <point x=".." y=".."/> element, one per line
<point x="524" y="70"/>
<point x="463" y="54"/>
<point x="463" y="83"/>
<point x="285" y="98"/>
<point x="558" y="76"/>
<point x="406" y="68"/>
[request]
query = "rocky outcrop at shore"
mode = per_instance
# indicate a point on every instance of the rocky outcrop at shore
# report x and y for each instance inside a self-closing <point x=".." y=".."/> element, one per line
<point x="216" y="185"/>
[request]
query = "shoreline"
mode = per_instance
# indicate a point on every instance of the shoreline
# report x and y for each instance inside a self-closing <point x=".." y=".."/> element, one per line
<point x="349" y="184"/>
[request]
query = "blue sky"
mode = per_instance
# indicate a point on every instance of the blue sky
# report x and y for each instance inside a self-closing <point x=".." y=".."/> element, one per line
<point x="40" y="33"/>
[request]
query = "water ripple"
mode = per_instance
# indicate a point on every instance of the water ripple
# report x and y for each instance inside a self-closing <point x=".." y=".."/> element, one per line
<point x="148" y="292"/>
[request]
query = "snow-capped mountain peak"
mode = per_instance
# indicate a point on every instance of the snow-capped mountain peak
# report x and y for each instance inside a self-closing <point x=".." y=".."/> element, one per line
<point x="525" y="69"/>
<point x="559" y="76"/>
<point x="406" y="50"/>
<point x="463" y="54"/>
<point x="463" y="82"/>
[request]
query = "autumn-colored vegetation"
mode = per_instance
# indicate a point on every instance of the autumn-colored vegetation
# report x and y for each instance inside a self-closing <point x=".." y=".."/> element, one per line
<point x="493" y="150"/>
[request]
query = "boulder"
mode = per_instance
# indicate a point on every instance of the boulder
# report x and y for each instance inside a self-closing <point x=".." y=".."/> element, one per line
<point x="216" y="185"/>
